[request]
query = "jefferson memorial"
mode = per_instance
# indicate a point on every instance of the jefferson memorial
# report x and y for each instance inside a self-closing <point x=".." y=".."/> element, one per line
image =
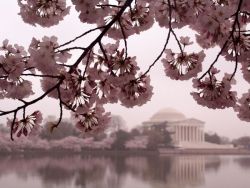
<point x="186" y="132"/>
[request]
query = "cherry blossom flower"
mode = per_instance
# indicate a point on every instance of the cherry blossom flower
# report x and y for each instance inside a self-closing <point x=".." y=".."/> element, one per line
<point x="136" y="92"/>
<point x="213" y="26"/>
<point x="243" y="107"/>
<point x="26" y="125"/>
<point x="141" y="16"/>
<point x="19" y="89"/>
<point x="46" y="84"/>
<point x="107" y="92"/>
<point x="94" y="120"/>
<point x="246" y="69"/>
<point x="213" y="93"/>
<point x="92" y="11"/>
<point x="12" y="61"/>
<point x="185" y="41"/>
<point x="43" y="12"/>
<point x="180" y="9"/>
<point x="182" y="66"/>
<point x="240" y="44"/>
<point x="44" y="58"/>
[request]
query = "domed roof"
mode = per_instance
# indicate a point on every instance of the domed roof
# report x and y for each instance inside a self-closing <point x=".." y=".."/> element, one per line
<point x="167" y="114"/>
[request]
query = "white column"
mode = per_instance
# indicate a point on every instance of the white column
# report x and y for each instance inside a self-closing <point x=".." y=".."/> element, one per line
<point x="182" y="133"/>
<point x="202" y="136"/>
<point x="175" y="136"/>
<point x="190" y="134"/>
<point x="186" y="129"/>
<point x="193" y="140"/>
<point x="177" y="133"/>
<point x="199" y="135"/>
<point x="185" y="133"/>
<point x="195" y="134"/>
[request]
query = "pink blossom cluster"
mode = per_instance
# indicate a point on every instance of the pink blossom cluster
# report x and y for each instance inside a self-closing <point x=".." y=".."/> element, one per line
<point x="242" y="107"/>
<point x="13" y="62"/>
<point x="183" y="66"/>
<point x="214" y="93"/>
<point x="43" y="12"/>
<point x="26" y="125"/>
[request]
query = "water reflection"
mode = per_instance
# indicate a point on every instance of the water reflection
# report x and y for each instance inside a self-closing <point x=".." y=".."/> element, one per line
<point x="244" y="162"/>
<point x="116" y="171"/>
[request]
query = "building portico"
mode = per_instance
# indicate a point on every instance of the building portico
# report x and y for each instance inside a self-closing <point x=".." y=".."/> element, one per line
<point x="184" y="131"/>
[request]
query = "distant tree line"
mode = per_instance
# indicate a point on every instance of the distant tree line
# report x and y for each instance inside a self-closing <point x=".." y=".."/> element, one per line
<point x="116" y="137"/>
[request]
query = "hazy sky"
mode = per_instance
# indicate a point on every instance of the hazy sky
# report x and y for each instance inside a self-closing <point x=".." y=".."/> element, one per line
<point x="146" y="46"/>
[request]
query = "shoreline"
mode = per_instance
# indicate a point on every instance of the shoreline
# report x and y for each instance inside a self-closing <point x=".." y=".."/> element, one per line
<point x="159" y="152"/>
<point x="164" y="151"/>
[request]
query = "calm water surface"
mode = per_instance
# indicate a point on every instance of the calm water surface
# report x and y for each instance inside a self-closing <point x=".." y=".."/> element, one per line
<point x="125" y="172"/>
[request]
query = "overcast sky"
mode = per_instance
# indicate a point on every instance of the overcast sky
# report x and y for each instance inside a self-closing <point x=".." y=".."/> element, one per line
<point x="146" y="46"/>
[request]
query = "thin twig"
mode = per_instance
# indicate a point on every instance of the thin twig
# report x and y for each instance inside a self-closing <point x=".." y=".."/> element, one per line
<point x="166" y="42"/>
<point x="61" y="110"/>
<point x="103" y="51"/>
<point x="12" y="126"/>
<point x="41" y="75"/>
<point x="236" y="22"/>
<point x="70" y="48"/>
<point x="109" y="5"/>
<point x="177" y="40"/>
<point x="78" y="37"/>
<point x="104" y="31"/>
<point x="124" y="38"/>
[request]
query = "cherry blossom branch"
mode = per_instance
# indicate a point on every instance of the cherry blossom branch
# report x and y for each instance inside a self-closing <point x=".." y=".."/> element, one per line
<point x="103" y="51"/>
<point x="177" y="40"/>
<point x="23" y="101"/>
<point x="236" y="22"/>
<point x="159" y="56"/>
<point x="61" y="110"/>
<point x="71" y="48"/>
<point x="57" y="85"/>
<point x="124" y="38"/>
<point x="109" y="5"/>
<point x="87" y="64"/>
<point x="41" y="75"/>
<point x="24" y="112"/>
<point x="26" y="104"/>
<point x="216" y="59"/>
<point x="68" y="106"/>
<point x="104" y="31"/>
<point x="246" y="13"/>
<point x="80" y="36"/>
<point x="12" y="126"/>
<point x="166" y="42"/>
<point x="235" y="51"/>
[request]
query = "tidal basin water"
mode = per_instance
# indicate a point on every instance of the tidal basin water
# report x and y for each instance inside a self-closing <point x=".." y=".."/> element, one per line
<point x="119" y="171"/>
